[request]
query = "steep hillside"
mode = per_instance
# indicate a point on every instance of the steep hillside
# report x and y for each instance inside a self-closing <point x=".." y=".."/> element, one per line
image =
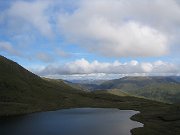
<point x="165" y="89"/>
<point x="23" y="91"/>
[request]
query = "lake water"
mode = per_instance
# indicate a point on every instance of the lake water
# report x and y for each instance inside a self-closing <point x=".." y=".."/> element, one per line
<point x="78" y="121"/>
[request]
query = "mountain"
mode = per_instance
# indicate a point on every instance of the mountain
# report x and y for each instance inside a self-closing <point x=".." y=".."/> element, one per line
<point x="86" y="85"/>
<point x="176" y="78"/>
<point x="87" y="81"/>
<point x="22" y="91"/>
<point x="75" y="85"/>
<point x="165" y="89"/>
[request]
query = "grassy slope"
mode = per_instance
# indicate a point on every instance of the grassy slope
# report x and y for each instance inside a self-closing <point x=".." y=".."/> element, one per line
<point x="23" y="92"/>
<point x="164" y="89"/>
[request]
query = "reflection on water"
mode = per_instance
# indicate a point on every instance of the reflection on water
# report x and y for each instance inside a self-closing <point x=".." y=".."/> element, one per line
<point x="79" y="121"/>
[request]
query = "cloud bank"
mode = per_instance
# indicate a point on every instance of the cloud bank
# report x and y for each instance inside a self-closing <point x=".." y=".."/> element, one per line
<point x="82" y="67"/>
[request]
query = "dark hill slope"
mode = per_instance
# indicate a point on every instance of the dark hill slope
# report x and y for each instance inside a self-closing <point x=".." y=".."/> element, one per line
<point x="166" y="89"/>
<point x="21" y="90"/>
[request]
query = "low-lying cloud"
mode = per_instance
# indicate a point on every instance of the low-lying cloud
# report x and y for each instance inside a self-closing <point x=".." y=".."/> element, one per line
<point x="84" y="67"/>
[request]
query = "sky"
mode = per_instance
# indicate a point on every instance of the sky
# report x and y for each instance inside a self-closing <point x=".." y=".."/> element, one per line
<point x="92" y="39"/>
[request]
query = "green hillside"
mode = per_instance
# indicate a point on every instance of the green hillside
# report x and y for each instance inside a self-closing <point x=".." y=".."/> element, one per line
<point x="165" y="89"/>
<point x="22" y="91"/>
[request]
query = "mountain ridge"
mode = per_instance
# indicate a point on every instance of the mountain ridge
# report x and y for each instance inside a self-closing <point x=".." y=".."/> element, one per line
<point x="160" y="88"/>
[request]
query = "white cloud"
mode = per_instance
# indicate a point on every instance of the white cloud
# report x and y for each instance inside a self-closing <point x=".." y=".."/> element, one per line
<point x="97" y="76"/>
<point x="8" y="48"/>
<point x="123" y="28"/>
<point x="82" y="67"/>
<point x="33" y="12"/>
<point x="147" y="67"/>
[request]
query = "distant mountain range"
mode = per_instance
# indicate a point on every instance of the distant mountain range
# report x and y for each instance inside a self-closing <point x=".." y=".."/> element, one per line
<point x="164" y="89"/>
<point x="87" y="81"/>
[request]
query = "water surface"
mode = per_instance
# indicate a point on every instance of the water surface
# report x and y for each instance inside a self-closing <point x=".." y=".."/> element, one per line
<point x="78" y="121"/>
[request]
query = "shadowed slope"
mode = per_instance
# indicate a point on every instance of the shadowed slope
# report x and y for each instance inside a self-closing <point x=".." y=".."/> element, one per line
<point x="21" y="90"/>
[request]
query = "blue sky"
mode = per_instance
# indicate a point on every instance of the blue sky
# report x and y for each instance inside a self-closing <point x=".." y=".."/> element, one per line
<point x="92" y="39"/>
